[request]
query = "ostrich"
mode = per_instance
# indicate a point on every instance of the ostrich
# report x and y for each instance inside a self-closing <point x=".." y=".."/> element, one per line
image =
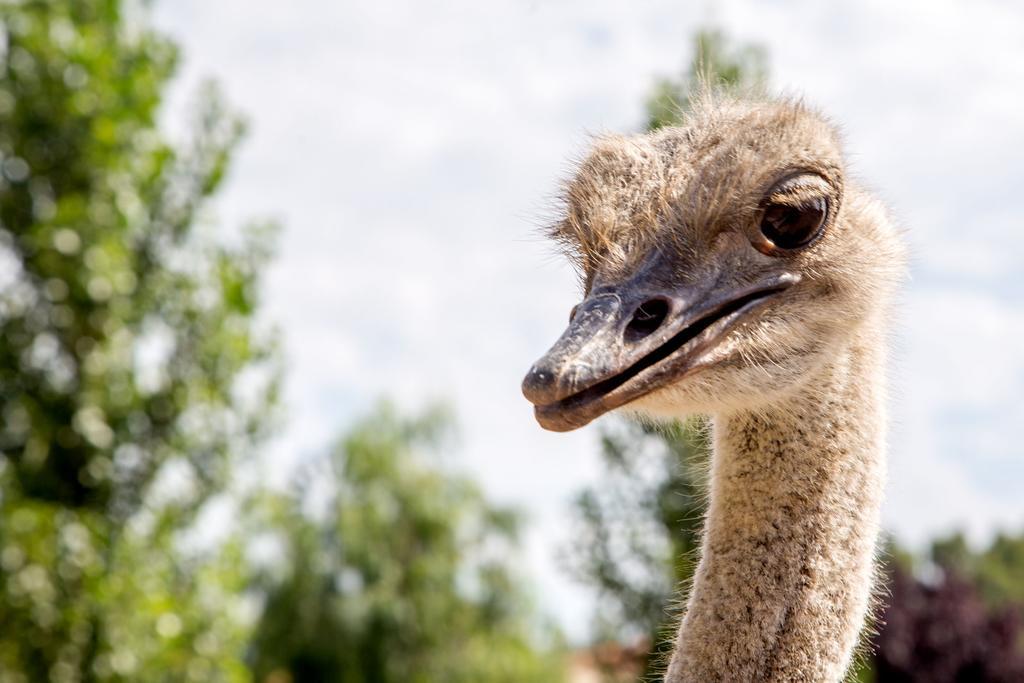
<point x="732" y="268"/>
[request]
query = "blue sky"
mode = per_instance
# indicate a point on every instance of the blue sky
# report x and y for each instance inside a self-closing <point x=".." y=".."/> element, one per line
<point x="411" y="150"/>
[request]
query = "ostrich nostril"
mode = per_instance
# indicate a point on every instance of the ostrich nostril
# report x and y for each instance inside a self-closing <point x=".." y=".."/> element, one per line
<point x="649" y="317"/>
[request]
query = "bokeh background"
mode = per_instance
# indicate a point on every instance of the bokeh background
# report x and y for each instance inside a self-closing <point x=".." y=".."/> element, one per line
<point x="270" y="275"/>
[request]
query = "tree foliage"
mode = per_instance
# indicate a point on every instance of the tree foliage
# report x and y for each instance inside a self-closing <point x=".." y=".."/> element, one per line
<point x="402" y="574"/>
<point x="638" y="528"/>
<point x="997" y="570"/>
<point x="125" y="332"/>
<point x="715" y="64"/>
<point x="122" y="329"/>
<point x="83" y="601"/>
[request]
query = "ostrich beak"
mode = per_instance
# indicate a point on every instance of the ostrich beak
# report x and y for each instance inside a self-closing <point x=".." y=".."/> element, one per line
<point x="627" y="340"/>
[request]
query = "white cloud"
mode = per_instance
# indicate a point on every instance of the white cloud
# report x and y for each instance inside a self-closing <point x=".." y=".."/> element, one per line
<point x="409" y="148"/>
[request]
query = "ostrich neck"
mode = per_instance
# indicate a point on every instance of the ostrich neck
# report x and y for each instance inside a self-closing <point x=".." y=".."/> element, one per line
<point x="784" y="580"/>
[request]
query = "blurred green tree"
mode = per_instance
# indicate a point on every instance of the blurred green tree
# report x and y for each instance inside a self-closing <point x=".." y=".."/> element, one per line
<point x="401" y="573"/>
<point x="716" y="64"/>
<point x="997" y="570"/>
<point x="126" y="335"/>
<point x="638" y="528"/>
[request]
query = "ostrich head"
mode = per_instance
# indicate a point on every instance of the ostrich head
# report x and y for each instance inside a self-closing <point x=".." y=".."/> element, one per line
<point x="720" y="261"/>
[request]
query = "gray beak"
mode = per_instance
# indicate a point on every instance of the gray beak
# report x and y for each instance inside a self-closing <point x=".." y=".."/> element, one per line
<point x="627" y="340"/>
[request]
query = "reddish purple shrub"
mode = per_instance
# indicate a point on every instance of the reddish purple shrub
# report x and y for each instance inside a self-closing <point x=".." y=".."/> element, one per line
<point x="945" y="633"/>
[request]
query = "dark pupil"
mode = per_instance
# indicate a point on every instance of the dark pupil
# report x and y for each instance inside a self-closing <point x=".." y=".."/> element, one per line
<point x="789" y="227"/>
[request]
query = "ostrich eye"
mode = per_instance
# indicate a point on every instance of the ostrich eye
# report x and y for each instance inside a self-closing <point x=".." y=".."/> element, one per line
<point x="791" y="226"/>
